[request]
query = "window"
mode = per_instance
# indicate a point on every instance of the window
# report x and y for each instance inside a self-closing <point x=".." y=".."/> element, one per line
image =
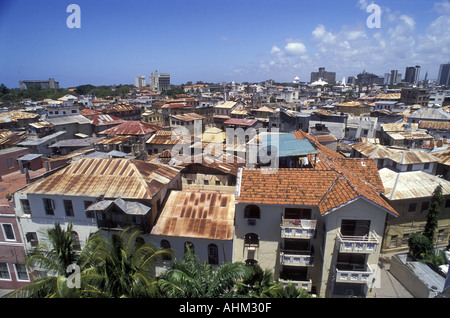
<point x="217" y="182"/>
<point x="213" y="254"/>
<point x="412" y="207"/>
<point x="165" y="244"/>
<point x="206" y="182"/>
<point x="409" y="167"/>
<point x="32" y="238"/>
<point x="393" y="242"/>
<point x="76" y="241"/>
<point x="252" y="211"/>
<point x="21" y="272"/>
<point x="68" y="206"/>
<point x="447" y="203"/>
<point x="355" y="227"/>
<point x="4" y="272"/>
<point x="49" y="206"/>
<point x="441" y="235"/>
<point x="425" y="206"/>
<point x="8" y="232"/>
<point x="426" y="166"/>
<point x="405" y="239"/>
<point x="25" y="206"/>
<point x="251" y="240"/>
<point x="89" y="214"/>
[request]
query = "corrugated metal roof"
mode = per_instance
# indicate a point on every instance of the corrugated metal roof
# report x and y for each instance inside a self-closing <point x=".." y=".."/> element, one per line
<point x="132" y="128"/>
<point x="411" y="184"/>
<point x="197" y="214"/>
<point x="412" y="156"/>
<point x="370" y="150"/>
<point x="107" y="177"/>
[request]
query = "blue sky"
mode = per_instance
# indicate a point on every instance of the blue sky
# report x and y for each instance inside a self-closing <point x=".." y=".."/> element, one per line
<point x="215" y="41"/>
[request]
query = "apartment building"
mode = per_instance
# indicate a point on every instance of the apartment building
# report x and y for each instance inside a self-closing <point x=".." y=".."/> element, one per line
<point x="94" y="194"/>
<point x="410" y="193"/>
<point x="319" y="228"/>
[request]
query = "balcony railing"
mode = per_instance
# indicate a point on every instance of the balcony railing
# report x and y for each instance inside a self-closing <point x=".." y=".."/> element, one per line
<point x="298" y="228"/>
<point x="357" y="274"/>
<point x="306" y="284"/>
<point x="296" y="258"/>
<point x="359" y="244"/>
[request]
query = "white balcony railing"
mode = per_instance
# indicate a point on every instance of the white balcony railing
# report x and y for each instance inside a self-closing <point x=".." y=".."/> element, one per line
<point x="359" y="244"/>
<point x="354" y="276"/>
<point x="306" y="285"/>
<point x="298" y="228"/>
<point x="293" y="258"/>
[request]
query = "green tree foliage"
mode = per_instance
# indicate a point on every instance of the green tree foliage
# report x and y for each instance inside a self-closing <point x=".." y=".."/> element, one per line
<point x="433" y="213"/>
<point x="192" y="278"/>
<point x="419" y="245"/>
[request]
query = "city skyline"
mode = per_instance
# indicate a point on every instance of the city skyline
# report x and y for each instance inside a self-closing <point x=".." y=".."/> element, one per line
<point x="199" y="40"/>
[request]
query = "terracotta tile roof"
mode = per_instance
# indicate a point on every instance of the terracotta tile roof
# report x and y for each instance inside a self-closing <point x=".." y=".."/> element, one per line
<point x="326" y="189"/>
<point x="333" y="182"/>
<point x="199" y="214"/>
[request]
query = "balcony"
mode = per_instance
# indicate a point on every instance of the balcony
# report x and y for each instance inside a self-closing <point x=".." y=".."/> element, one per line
<point x="359" y="244"/>
<point x="296" y="258"/>
<point x="306" y="284"/>
<point x="348" y="273"/>
<point x="298" y="228"/>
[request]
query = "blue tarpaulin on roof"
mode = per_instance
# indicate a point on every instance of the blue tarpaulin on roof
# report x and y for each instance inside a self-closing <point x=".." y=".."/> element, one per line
<point x="288" y="145"/>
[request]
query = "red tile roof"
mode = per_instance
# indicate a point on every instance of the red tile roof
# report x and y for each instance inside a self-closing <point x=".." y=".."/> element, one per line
<point x="333" y="182"/>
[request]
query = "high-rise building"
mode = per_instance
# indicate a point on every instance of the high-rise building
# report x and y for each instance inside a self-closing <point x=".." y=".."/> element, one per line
<point x="412" y="74"/>
<point x="160" y="82"/>
<point x="329" y="77"/>
<point x="444" y="74"/>
<point x="140" y="81"/>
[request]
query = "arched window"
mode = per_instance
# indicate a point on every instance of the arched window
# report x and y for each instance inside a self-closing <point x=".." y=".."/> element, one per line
<point x="251" y="240"/>
<point x="165" y="244"/>
<point x="76" y="241"/>
<point x="252" y="212"/>
<point x="213" y="254"/>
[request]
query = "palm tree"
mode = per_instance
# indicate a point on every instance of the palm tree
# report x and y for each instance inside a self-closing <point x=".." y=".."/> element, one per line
<point x="122" y="266"/>
<point x="289" y="291"/>
<point x="255" y="282"/>
<point x="54" y="257"/>
<point x="195" y="279"/>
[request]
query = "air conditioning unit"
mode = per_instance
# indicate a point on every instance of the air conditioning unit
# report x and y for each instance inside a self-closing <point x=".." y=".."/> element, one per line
<point x="251" y="222"/>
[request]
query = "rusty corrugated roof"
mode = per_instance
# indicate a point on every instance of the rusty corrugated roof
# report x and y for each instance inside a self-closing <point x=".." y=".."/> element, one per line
<point x="197" y="214"/>
<point x="107" y="177"/>
<point x="132" y="127"/>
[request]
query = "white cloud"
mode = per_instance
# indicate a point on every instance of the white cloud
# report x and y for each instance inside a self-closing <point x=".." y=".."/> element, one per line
<point x="442" y="7"/>
<point x="350" y="49"/>
<point x="295" y="48"/>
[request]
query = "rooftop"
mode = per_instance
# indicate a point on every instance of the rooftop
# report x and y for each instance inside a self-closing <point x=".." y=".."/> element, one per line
<point x="109" y="178"/>
<point x="411" y="184"/>
<point x="197" y="214"/>
<point x="132" y="128"/>
<point x="333" y="182"/>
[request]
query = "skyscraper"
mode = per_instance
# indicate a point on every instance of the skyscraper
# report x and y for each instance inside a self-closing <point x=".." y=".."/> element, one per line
<point x="412" y="74"/>
<point x="444" y="74"/>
